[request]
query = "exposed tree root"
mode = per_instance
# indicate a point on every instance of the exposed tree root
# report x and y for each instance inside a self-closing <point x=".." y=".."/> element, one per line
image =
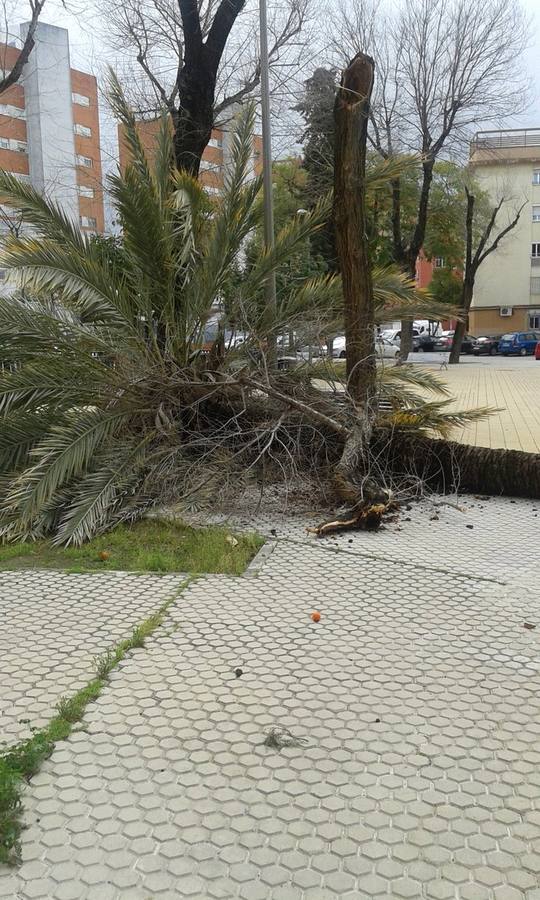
<point x="368" y="518"/>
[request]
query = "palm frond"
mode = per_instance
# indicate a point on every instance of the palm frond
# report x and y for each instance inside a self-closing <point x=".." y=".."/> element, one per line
<point x="99" y="492"/>
<point x="146" y="236"/>
<point x="19" y="433"/>
<point x="396" y="296"/>
<point x="125" y="115"/>
<point x="434" y="416"/>
<point x="63" y="453"/>
<point x="394" y="377"/>
<point x="45" y="266"/>
<point x="30" y="329"/>
<point x="232" y="221"/>
<point x="288" y="239"/>
<point x="46" y="216"/>
<point x="49" y="382"/>
<point x="380" y="172"/>
<point x="163" y="168"/>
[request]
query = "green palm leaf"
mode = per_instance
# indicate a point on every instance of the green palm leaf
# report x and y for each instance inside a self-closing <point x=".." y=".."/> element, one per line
<point x="45" y="215"/>
<point x="44" y="266"/>
<point x="99" y="492"/>
<point x="64" y="452"/>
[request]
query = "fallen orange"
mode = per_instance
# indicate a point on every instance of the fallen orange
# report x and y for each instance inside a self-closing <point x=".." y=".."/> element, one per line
<point x="104" y="555"/>
<point x="316" y="616"/>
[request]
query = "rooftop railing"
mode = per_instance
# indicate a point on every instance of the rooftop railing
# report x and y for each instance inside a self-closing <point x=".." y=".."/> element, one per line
<point x="497" y="140"/>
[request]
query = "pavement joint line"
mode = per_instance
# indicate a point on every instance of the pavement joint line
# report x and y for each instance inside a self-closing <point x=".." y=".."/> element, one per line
<point x="396" y="561"/>
<point x="24" y="759"/>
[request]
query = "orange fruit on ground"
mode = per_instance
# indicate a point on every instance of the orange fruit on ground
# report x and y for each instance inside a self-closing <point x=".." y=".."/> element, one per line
<point x="104" y="555"/>
<point x="316" y="616"/>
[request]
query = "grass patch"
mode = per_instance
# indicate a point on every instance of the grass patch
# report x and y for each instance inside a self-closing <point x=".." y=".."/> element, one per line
<point x="151" y="545"/>
<point x="20" y="762"/>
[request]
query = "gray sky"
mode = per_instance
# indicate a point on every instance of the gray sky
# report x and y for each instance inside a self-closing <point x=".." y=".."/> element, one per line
<point x="83" y="23"/>
<point x="531" y="117"/>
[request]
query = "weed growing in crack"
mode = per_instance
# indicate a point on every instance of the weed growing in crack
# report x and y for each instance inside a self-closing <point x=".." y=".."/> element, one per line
<point x="19" y="763"/>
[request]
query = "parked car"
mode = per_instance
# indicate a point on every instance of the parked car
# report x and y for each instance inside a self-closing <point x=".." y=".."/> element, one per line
<point x="338" y="348"/>
<point x="487" y="344"/>
<point x="393" y="334"/>
<point x="537" y="351"/>
<point x="425" y="342"/>
<point x="385" y="349"/>
<point x="519" y="342"/>
<point x="444" y="340"/>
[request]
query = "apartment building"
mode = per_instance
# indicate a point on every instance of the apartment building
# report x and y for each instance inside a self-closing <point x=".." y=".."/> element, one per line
<point x="507" y="291"/>
<point x="49" y="129"/>
<point x="426" y="267"/>
<point x="215" y="159"/>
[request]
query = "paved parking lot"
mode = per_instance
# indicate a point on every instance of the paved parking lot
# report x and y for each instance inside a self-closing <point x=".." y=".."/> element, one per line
<point x="511" y="384"/>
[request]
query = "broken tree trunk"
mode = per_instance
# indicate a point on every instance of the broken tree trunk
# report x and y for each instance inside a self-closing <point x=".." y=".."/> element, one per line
<point x="444" y="465"/>
<point x="351" y="112"/>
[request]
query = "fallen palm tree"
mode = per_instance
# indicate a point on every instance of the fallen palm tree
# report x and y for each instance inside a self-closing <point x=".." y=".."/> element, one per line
<point x="113" y="400"/>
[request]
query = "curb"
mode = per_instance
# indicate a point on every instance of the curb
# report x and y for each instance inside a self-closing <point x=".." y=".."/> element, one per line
<point x="261" y="557"/>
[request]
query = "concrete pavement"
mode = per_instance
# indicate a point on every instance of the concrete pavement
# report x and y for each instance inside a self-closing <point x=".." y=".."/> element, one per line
<point x="408" y="743"/>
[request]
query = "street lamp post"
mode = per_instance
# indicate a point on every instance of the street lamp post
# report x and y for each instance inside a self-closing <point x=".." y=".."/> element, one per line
<point x="267" y="175"/>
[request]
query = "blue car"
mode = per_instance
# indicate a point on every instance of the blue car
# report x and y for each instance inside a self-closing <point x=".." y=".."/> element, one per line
<point x="521" y="342"/>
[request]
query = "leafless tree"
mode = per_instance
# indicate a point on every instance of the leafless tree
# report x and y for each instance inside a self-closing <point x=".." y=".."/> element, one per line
<point x="487" y="243"/>
<point x="10" y="72"/>
<point x="198" y="59"/>
<point x="444" y="67"/>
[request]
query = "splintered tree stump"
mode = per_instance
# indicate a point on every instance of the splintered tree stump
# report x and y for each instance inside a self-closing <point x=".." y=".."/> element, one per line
<point x="351" y="114"/>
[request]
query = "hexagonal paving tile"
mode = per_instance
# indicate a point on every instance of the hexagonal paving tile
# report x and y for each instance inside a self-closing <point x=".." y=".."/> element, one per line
<point x="403" y="754"/>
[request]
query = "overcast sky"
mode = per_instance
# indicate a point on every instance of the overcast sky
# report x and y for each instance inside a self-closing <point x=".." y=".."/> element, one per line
<point x="87" y="53"/>
<point x="531" y="118"/>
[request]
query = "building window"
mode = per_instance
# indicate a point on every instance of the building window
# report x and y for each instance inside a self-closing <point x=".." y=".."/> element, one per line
<point x="14" y="112"/>
<point x="536" y="176"/>
<point x="439" y="262"/>
<point x="80" y="99"/>
<point x="536" y="213"/>
<point x="535" y="285"/>
<point x="215" y="142"/>
<point x="3" y="276"/>
<point x="85" y="161"/>
<point x="85" y="191"/>
<point x="18" y="146"/>
<point x="535" y="252"/>
<point x="83" y="130"/>
<point x="87" y="221"/>
<point x="534" y="319"/>
<point x="210" y="166"/>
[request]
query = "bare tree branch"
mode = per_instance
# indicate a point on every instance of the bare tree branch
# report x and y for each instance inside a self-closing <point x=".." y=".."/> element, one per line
<point x="502" y="234"/>
<point x="13" y="76"/>
<point x="444" y="67"/>
<point x="151" y="32"/>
